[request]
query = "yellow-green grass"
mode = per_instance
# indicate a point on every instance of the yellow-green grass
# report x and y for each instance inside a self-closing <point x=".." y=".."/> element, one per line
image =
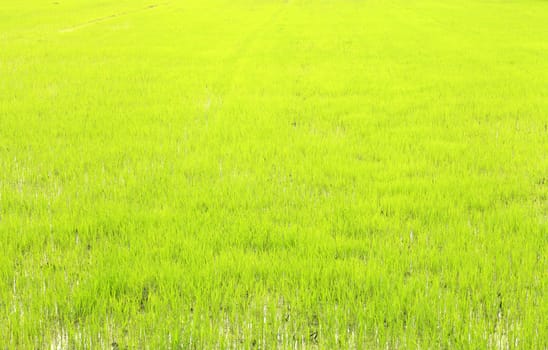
<point x="273" y="174"/>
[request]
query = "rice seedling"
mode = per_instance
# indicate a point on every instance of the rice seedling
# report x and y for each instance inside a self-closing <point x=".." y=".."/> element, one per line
<point x="273" y="174"/>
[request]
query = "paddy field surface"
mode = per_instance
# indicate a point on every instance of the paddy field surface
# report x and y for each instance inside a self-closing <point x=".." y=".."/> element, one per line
<point x="263" y="174"/>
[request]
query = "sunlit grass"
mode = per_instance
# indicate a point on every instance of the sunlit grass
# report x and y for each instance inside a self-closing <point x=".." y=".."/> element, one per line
<point x="273" y="174"/>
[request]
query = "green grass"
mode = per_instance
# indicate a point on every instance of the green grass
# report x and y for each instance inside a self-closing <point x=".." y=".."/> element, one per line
<point x="273" y="174"/>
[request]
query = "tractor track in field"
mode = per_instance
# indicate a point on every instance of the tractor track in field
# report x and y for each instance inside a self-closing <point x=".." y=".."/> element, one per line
<point x="238" y="58"/>
<point x="242" y="48"/>
<point x="109" y="18"/>
<point x="247" y="43"/>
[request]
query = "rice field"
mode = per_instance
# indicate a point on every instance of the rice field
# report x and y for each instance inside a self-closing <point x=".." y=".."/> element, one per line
<point x="260" y="174"/>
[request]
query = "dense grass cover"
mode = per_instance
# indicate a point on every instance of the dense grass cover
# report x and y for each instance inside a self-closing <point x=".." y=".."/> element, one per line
<point x="273" y="174"/>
